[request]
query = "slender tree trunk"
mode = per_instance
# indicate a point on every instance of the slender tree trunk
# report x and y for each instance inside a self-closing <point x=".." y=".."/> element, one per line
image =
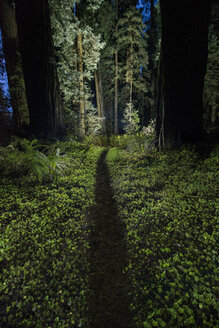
<point x="116" y="128"/>
<point x="214" y="111"/>
<point x="99" y="113"/>
<point x="131" y="74"/>
<point x="81" y="83"/>
<point x="99" y="97"/>
<point x="184" y="56"/>
<point x="111" y="103"/>
<point x="102" y="105"/>
<point x="14" y="67"/>
<point x="159" y="102"/>
<point x="131" y="90"/>
<point x="39" y="66"/>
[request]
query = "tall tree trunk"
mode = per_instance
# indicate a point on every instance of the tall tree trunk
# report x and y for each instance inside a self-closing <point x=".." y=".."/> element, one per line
<point x="110" y="106"/>
<point x="4" y="132"/>
<point x="184" y="56"/>
<point x="159" y="92"/>
<point x="99" y="97"/>
<point x="214" y="110"/>
<point x="102" y="105"/>
<point x="131" y="62"/>
<point x="39" y="66"/>
<point x="81" y="83"/>
<point x="116" y="128"/>
<point x="14" y="67"/>
<point x="99" y="114"/>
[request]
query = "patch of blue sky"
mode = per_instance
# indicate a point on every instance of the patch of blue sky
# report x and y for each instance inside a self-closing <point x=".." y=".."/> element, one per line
<point x="3" y="74"/>
<point x="145" y="7"/>
<point x="141" y="69"/>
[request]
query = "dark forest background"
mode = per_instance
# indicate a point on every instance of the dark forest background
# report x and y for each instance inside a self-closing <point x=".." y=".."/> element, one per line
<point x="110" y="67"/>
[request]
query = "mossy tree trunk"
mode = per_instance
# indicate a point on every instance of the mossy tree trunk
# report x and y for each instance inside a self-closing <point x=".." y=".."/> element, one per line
<point x="14" y="67"/>
<point x="184" y="59"/>
<point x="39" y="66"/>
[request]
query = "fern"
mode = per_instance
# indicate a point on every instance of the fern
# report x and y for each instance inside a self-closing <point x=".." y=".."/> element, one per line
<point x="23" y="157"/>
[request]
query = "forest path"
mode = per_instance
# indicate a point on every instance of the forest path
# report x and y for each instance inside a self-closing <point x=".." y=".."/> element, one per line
<point x="108" y="285"/>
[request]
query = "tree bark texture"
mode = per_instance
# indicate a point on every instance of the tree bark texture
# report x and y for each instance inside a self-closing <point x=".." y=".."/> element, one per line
<point x="39" y="66"/>
<point x="14" y="67"/>
<point x="184" y="59"/>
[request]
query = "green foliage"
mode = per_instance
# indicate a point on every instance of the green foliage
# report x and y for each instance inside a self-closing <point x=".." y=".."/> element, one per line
<point x="24" y="157"/>
<point x="43" y="245"/>
<point x="66" y="26"/>
<point x="169" y="202"/>
<point x="120" y="142"/>
<point x="130" y="119"/>
<point x="133" y="72"/>
<point x="92" y="140"/>
<point x="143" y="142"/>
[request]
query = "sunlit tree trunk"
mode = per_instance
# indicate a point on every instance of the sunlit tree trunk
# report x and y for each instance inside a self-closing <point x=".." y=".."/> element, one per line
<point x="81" y="83"/>
<point x="99" y="97"/>
<point x="14" y="67"/>
<point x="116" y="74"/>
<point x="39" y="67"/>
<point x="184" y="59"/>
<point x="97" y="94"/>
<point x="102" y="105"/>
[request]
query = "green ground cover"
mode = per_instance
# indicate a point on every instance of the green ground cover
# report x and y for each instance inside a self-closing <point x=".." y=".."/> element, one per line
<point x="169" y="204"/>
<point x="44" y="235"/>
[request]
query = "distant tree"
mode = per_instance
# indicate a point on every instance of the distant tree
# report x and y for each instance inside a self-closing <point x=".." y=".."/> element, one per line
<point x="77" y="48"/>
<point x="130" y="119"/>
<point x="105" y="26"/>
<point x="39" y="66"/>
<point x="132" y="45"/>
<point x="183" y="66"/>
<point x="14" y="67"/>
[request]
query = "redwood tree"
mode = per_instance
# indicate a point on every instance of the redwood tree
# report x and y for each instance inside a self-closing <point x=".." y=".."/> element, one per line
<point x="14" y="67"/>
<point x="39" y="66"/>
<point x="183" y="60"/>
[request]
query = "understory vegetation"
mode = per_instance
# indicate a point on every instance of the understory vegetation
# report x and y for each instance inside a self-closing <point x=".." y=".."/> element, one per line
<point x="43" y="243"/>
<point x="168" y="202"/>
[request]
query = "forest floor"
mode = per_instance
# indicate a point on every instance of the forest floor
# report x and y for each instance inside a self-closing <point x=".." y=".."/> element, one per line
<point x="120" y="238"/>
<point x="109" y="286"/>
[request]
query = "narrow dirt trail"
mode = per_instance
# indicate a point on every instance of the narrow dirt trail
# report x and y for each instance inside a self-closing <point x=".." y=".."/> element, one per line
<point x="109" y="286"/>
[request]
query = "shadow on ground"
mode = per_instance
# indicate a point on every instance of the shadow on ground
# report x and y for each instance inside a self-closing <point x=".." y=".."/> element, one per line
<point x="108" y="284"/>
